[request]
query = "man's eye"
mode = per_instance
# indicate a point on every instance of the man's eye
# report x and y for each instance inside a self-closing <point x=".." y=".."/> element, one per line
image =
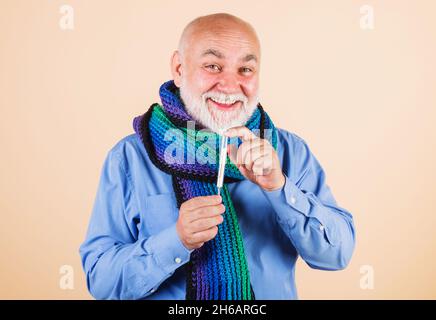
<point x="246" y="70"/>
<point x="213" y="67"/>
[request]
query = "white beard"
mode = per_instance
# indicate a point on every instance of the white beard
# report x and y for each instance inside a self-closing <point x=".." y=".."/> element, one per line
<point x="211" y="117"/>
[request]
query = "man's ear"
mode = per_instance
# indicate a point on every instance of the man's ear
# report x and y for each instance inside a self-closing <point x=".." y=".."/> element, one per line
<point x="176" y="68"/>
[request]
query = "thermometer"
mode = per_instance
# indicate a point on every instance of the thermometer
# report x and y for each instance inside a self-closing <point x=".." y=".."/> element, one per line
<point x="222" y="162"/>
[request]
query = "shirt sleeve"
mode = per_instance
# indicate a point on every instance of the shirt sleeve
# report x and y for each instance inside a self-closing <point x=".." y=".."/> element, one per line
<point x="321" y="231"/>
<point x="117" y="264"/>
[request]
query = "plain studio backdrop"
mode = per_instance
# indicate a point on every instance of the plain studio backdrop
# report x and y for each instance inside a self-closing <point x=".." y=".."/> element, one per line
<point x="361" y="92"/>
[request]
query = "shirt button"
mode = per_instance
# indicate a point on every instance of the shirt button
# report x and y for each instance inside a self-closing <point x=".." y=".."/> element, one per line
<point x="293" y="200"/>
<point x="178" y="260"/>
<point x="321" y="227"/>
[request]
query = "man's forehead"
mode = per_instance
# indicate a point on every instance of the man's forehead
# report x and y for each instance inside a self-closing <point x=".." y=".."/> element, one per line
<point x="221" y="54"/>
<point x="229" y="45"/>
<point x="232" y="36"/>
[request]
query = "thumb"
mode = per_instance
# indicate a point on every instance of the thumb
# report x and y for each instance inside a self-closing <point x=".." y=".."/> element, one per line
<point x="232" y="151"/>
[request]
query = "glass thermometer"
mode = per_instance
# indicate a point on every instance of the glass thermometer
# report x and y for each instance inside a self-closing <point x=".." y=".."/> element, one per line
<point x="222" y="162"/>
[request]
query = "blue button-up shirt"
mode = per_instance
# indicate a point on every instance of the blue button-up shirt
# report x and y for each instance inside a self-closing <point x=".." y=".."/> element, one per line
<point x="132" y="249"/>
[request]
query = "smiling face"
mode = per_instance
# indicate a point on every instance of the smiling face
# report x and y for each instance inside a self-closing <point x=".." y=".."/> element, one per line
<point x="217" y="71"/>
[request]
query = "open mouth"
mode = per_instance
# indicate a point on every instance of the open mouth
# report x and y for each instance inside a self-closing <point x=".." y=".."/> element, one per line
<point x="224" y="106"/>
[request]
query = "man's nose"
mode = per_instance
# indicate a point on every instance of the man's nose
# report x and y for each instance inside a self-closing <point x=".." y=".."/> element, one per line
<point x="228" y="83"/>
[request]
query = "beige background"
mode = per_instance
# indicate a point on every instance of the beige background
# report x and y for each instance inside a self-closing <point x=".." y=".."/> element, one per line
<point x="364" y="100"/>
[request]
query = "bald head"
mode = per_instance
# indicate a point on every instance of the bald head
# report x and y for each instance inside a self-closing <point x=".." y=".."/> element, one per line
<point x="218" y="25"/>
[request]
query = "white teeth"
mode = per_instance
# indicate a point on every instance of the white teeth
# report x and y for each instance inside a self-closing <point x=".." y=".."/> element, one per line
<point x="226" y="100"/>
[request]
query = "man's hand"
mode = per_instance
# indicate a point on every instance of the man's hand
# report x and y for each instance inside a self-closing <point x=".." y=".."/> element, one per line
<point x="198" y="220"/>
<point x="256" y="159"/>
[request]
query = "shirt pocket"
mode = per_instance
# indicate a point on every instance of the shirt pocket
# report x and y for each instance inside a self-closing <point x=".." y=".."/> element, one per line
<point x="160" y="212"/>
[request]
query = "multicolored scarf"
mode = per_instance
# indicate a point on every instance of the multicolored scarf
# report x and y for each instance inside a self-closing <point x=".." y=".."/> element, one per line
<point x="218" y="270"/>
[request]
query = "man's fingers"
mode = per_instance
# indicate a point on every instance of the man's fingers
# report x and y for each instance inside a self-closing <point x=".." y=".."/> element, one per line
<point x="262" y="166"/>
<point x="202" y="201"/>
<point x="243" y="132"/>
<point x="249" y="156"/>
<point x="206" y="212"/>
<point x="206" y="223"/>
<point x="205" y="235"/>
<point x="232" y="151"/>
<point x="245" y="148"/>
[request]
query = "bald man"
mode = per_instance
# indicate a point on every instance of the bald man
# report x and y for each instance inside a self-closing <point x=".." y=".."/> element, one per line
<point x="178" y="215"/>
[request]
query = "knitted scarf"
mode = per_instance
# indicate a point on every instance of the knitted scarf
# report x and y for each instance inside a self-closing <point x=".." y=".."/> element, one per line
<point x="218" y="270"/>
